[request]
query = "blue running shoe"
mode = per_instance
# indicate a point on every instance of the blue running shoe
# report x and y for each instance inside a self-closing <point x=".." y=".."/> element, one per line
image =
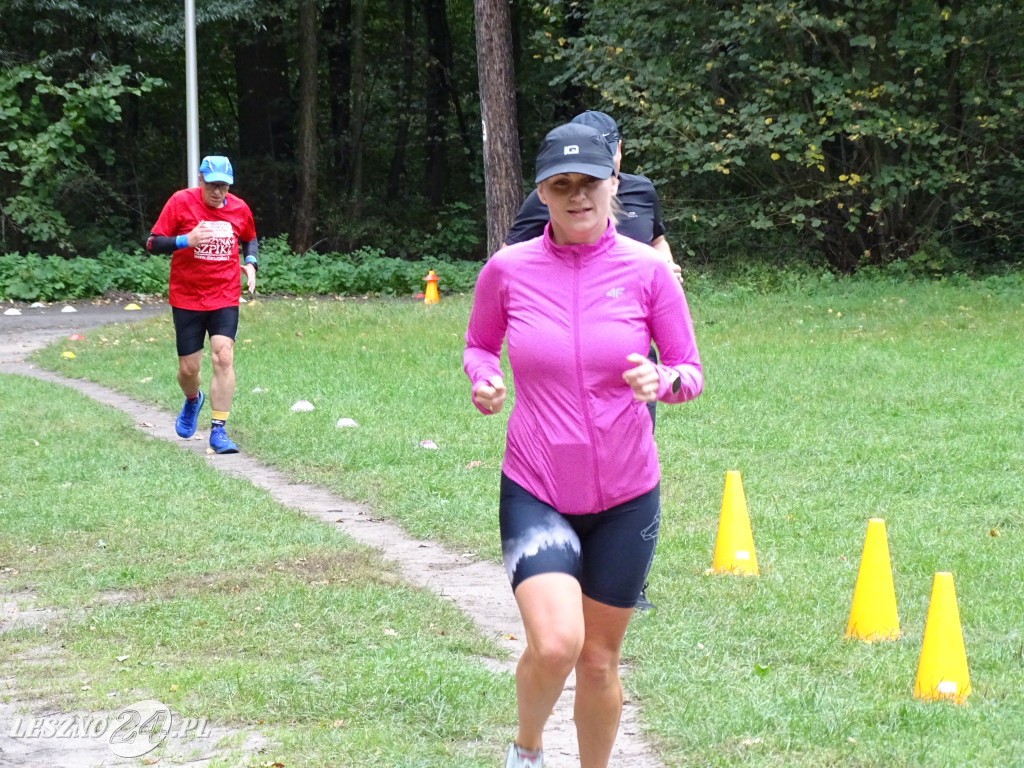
<point x="220" y="442"/>
<point x="185" y="426"/>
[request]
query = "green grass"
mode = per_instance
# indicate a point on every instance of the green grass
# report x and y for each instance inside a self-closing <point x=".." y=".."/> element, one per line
<point x="180" y="584"/>
<point x="841" y="403"/>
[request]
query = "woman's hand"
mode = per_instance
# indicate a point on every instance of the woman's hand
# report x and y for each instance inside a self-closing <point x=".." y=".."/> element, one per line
<point x="642" y="378"/>
<point x="490" y="397"/>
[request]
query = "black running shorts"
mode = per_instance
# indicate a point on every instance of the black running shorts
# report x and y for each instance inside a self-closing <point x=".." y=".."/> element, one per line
<point x="608" y="552"/>
<point x="191" y="327"/>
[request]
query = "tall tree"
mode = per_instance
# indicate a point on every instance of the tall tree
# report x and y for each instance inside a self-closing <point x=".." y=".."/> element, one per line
<point x="308" y="47"/>
<point x="439" y="65"/>
<point x="336" y="31"/>
<point x="502" y="167"/>
<point x="265" y="132"/>
<point x="358" y="112"/>
<point x="405" y="91"/>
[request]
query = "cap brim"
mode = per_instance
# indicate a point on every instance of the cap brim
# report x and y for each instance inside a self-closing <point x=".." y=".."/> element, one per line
<point x="597" y="171"/>
<point x="214" y="178"/>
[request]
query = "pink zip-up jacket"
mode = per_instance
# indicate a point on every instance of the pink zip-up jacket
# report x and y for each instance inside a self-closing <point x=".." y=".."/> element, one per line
<point x="576" y="438"/>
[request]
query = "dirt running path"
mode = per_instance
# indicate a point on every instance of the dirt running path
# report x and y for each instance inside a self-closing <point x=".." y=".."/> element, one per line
<point x="480" y="589"/>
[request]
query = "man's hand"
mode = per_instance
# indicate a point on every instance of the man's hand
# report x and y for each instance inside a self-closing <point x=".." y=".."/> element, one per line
<point x="250" y="277"/>
<point x="490" y="396"/>
<point x="677" y="271"/>
<point x="642" y="378"/>
<point x="201" y="235"/>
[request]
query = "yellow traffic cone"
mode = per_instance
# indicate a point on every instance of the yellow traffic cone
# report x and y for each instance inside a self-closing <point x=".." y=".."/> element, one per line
<point x="873" y="613"/>
<point x="942" y="667"/>
<point x="430" y="295"/>
<point x="734" y="543"/>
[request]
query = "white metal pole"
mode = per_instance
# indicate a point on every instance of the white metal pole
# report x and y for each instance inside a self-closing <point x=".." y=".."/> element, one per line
<point x="191" y="94"/>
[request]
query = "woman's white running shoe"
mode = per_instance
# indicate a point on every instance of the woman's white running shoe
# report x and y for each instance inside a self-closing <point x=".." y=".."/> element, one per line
<point x="518" y="757"/>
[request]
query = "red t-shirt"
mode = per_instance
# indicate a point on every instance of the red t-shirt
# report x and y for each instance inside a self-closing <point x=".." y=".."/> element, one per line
<point x="208" y="277"/>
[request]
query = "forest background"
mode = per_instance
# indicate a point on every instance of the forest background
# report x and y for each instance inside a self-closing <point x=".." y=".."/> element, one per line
<point x="843" y="136"/>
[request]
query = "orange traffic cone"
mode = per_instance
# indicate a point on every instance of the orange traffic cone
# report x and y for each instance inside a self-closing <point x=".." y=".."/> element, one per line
<point x="734" y="543"/>
<point x="942" y="667"/>
<point x="430" y="296"/>
<point x="873" y="613"/>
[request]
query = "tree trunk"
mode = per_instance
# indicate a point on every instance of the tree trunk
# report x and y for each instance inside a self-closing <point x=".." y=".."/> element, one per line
<point x="437" y="103"/>
<point x="306" y="210"/>
<point x="358" y="104"/>
<point x="397" y="170"/>
<point x="265" y="138"/>
<point x="337" y="29"/>
<point x="502" y="166"/>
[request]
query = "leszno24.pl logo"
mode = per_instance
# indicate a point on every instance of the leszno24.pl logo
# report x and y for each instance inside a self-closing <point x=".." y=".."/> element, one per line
<point x="132" y="731"/>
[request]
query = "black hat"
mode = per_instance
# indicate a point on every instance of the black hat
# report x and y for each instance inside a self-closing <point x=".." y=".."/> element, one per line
<point x="603" y="124"/>
<point x="574" y="148"/>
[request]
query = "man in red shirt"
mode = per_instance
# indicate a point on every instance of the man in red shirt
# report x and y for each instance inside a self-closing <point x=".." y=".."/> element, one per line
<point x="206" y="229"/>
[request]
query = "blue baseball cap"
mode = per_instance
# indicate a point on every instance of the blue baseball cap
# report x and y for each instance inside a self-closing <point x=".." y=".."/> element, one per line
<point x="217" y="168"/>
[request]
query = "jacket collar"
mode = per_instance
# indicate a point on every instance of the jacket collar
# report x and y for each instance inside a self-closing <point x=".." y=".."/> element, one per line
<point x="602" y="246"/>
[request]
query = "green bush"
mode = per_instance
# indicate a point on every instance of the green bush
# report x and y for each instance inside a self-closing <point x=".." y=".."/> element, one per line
<point x="32" y="277"/>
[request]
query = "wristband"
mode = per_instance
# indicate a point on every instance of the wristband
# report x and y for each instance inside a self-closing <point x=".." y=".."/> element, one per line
<point x="181" y="241"/>
<point x="252" y="260"/>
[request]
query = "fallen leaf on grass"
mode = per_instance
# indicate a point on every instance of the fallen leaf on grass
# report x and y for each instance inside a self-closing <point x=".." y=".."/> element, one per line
<point x="472" y="464"/>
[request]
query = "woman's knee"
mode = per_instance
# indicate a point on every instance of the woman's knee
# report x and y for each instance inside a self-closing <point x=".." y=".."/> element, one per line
<point x="598" y="665"/>
<point x="557" y="651"/>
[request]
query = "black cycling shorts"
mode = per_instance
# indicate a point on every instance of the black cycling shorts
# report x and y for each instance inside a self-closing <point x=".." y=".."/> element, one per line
<point x="609" y="552"/>
<point x="192" y="326"/>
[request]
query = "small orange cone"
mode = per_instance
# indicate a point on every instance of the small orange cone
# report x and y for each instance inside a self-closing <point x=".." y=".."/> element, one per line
<point x="873" y="613"/>
<point x="734" y="543"/>
<point x="431" y="297"/>
<point x="942" y="668"/>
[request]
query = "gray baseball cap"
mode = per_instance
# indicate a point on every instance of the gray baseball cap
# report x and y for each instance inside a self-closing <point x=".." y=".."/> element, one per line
<point x="603" y="124"/>
<point x="574" y="148"/>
